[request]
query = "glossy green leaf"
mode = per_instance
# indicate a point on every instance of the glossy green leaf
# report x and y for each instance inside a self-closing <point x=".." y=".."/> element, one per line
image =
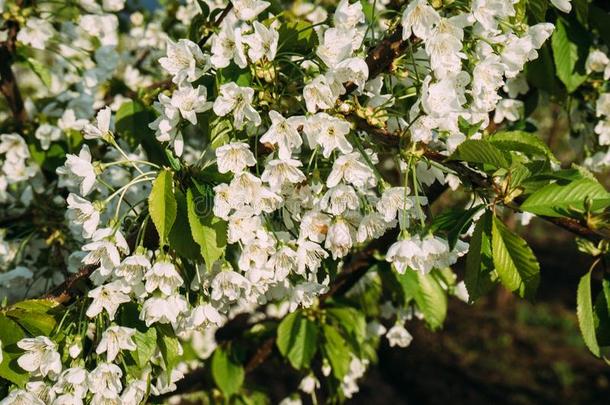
<point x="584" y="312"/>
<point x="10" y="334"/>
<point x="208" y="231"/>
<point x="162" y="204"/>
<point x="479" y="262"/>
<point x="514" y="261"/>
<point x="428" y="294"/>
<point x="180" y="237"/>
<point x="559" y="198"/>
<point x="521" y="141"/>
<point x="570" y="49"/>
<point x="480" y="151"/>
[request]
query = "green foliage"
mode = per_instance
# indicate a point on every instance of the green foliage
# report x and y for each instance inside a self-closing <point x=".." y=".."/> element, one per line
<point x="227" y="372"/>
<point x="297" y="339"/>
<point x="570" y="49"/>
<point x="521" y="141"/>
<point x="10" y="334"/>
<point x="335" y="350"/>
<point x="146" y="345"/>
<point x="428" y="295"/>
<point x="514" y="260"/>
<point x="481" y="152"/>
<point x="480" y="277"/>
<point x="297" y="36"/>
<point x="584" y="312"/>
<point x="35" y="316"/>
<point x="208" y="231"/>
<point x="162" y="204"/>
<point x="180" y="237"/>
<point x="131" y="124"/>
<point x="563" y="198"/>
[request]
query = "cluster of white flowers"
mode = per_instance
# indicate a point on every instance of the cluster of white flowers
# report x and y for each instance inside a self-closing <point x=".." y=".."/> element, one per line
<point x="299" y="191"/>
<point x="598" y="66"/>
<point x="449" y="90"/>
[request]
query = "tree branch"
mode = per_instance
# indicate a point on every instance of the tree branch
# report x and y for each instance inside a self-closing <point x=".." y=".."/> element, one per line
<point x="8" y="82"/>
<point x="579" y="228"/>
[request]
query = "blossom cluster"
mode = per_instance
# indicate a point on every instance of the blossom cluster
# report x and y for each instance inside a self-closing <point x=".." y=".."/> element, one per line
<point x="298" y="185"/>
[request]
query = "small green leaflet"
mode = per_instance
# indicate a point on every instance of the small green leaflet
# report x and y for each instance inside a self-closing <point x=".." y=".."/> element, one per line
<point x="228" y="374"/>
<point x="297" y="339"/>
<point x="514" y="261"/>
<point x="480" y="151"/>
<point x="584" y="312"/>
<point x="558" y="199"/>
<point x="162" y="204"/>
<point x="208" y="231"/>
<point x="479" y="261"/>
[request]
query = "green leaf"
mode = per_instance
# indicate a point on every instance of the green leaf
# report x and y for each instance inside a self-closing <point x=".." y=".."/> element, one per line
<point x="227" y="372"/>
<point x="541" y="72"/>
<point x="349" y="319"/>
<point x="297" y="339"/>
<point x="335" y="350"/>
<point x="131" y="123"/>
<point x="521" y="141"/>
<point x="296" y="36"/>
<point x="169" y="346"/>
<point x="559" y="198"/>
<point x="570" y="49"/>
<point x="34" y="316"/>
<point x="10" y="334"/>
<point x="41" y="70"/>
<point x="479" y="261"/>
<point x="537" y="9"/>
<point x="601" y="311"/>
<point x="479" y="151"/>
<point x="233" y="73"/>
<point x="162" y="204"/>
<point x="428" y="294"/>
<point x="208" y="231"/>
<point x="584" y="312"/>
<point x="146" y="345"/>
<point x="180" y="237"/>
<point x="515" y="262"/>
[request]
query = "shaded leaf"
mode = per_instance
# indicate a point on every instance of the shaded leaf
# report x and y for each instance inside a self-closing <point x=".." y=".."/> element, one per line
<point x="228" y="374"/>
<point x="10" y="334"/>
<point x="479" y="261"/>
